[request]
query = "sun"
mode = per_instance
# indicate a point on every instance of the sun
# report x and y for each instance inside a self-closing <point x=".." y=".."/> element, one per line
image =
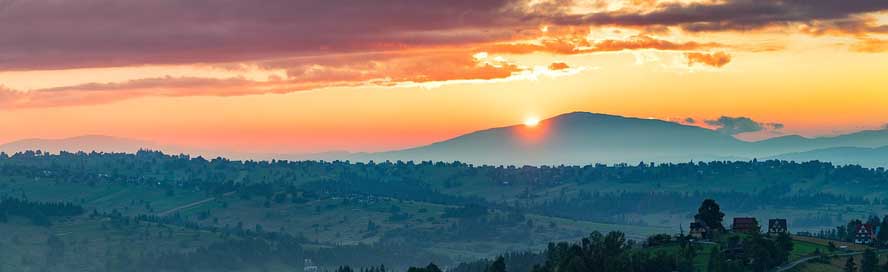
<point x="532" y="121"/>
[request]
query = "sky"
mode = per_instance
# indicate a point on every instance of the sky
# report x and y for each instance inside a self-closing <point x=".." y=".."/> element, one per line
<point x="316" y="75"/>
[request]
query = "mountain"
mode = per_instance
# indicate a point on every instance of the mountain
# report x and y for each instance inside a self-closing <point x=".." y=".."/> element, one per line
<point x="579" y="138"/>
<point x="86" y="143"/>
<point x="584" y="138"/>
<point x="864" y="156"/>
<point x="110" y="144"/>
<point x="795" y="143"/>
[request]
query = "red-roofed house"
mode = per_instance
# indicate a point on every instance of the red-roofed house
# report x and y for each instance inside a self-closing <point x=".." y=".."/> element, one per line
<point x="745" y="225"/>
<point x="864" y="234"/>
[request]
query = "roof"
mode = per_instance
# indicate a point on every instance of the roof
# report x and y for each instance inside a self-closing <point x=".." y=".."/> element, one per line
<point x="745" y="220"/>
<point x="866" y="227"/>
<point x="777" y="222"/>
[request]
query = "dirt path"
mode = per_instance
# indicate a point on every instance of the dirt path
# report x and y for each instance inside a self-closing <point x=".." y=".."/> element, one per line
<point x="792" y="265"/>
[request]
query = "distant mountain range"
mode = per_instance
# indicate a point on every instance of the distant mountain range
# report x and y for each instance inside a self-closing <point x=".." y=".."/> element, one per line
<point x="109" y="144"/>
<point x="575" y="138"/>
<point x="579" y="138"/>
<point x="584" y="138"/>
<point x="87" y="143"/>
<point x="868" y="157"/>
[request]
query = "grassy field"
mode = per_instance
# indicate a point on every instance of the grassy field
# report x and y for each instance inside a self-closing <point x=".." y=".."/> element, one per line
<point x="825" y="243"/>
<point x="339" y="221"/>
<point x="835" y="264"/>
<point x="332" y="221"/>
<point x="332" y="215"/>
<point x="24" y="246"/>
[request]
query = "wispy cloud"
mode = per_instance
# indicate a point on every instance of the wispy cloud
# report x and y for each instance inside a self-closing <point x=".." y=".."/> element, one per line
<point x="417" y="69"/>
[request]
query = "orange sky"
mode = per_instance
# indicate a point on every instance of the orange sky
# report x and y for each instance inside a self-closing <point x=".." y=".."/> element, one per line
<point x="415" y="83"/>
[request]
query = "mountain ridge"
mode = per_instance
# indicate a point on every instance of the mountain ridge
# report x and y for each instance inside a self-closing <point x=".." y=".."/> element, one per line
<point x="577" y="138"/>
<point x="631" y="140"/>
<point x="85" y="143"/>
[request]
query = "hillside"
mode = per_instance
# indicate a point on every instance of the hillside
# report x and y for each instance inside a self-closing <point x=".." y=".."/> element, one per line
<point x="407" y="214"/>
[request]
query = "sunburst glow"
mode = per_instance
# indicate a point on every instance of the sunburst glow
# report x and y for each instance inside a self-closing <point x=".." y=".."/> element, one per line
<point x="532" y="121"/>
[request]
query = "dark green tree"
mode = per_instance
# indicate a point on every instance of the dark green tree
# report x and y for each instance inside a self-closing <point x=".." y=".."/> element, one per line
<point x="850" y="266"/>
<point x="851" y="229"/>
<point x="763" y="252"/>
<point x="870" y="262"/>
<point x="784" y="246"/>
<point x="499" y="265"/>
<point x="882" y="236"/>
<point x="710" y="214"/>
<point x="716" y="260"/>
<point x="429" y="268"/>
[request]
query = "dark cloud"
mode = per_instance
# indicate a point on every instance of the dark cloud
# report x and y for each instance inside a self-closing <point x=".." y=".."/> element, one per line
<point x="737" y="14"/>
<point x="690" y="120"/>
<point x="52" y="34"/>
<point x="571" y="45"/>
<point x="46" y="34"/>
<point x="737" y="125"/>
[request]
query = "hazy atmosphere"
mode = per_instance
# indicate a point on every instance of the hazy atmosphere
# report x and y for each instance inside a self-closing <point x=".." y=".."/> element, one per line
<point x="444" y="136"/>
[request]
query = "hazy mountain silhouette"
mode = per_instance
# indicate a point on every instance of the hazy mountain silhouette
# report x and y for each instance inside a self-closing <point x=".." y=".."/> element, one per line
<point x="584" y="138"/>
<point x="795" y="143"/>
<point x="110" y="144"/>
<point x="575" y="138"/>
<point x="87" y="143"/>
<point x="868" y="157"/>
<point x="579" y="138"/>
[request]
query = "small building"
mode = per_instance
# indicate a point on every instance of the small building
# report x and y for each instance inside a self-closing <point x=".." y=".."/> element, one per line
<point x="745" y="225"/>
<point x="777" y="226"/>
<point x="864" y="234"/>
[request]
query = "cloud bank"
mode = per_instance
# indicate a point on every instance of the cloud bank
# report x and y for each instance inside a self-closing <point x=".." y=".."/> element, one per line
<point x="321" y="43"/>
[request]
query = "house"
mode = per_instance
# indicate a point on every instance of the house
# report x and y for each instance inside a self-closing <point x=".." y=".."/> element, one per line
<point x="864" y="234"/>
<point x="776" y="226"/>
<point x="745" y="225"/>
<point x="699" y="230"/>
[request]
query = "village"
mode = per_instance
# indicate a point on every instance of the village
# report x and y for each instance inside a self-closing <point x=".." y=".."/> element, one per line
<point x="864" y="233"/>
